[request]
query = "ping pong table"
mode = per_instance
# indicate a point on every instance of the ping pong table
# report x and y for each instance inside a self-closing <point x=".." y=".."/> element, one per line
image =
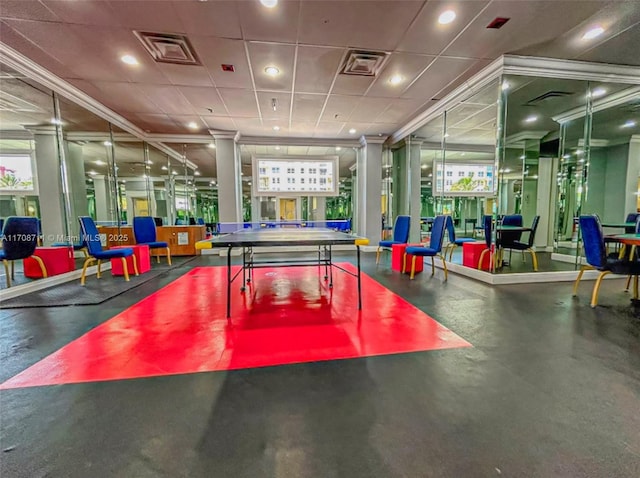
<point x="248" y="239"/>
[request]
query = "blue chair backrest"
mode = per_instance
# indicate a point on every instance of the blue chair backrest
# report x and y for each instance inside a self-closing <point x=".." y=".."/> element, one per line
<point x="631" y="217"/>
<point x="486" y="225"/>
<point x="200" y="221"/>
<point x="508" y="237"/>
<point x="19" y="237"/>
<point x="534" y="227"/>
<point x="144" y="229"/>
<point x="451" y="229"/>
<point x="592" y="240"/>
<point x="437" y="233"/>
<point x="401" y="229"/>
<point x="90" y="236"/>
<point x="637" y="229"/>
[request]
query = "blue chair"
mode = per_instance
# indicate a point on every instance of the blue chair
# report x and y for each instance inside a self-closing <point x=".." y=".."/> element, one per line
<point x="200" y="222"/>
<point x="144" y="230"/>
<point x="91" y="238"/>
<point x="19" y="241"/>
<point x="597" y="258"/>
<point x="434" y="249"/>
<point x="453" y="241"/>
<point x="526" y="246"/>
<point x="400" y="235"/>
<point x="487" y="222"/>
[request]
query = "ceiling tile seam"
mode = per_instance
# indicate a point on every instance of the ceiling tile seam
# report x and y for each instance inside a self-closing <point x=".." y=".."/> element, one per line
<point x="253" y="81"/>
<point x="607" y="40"/>
<point x="32" y="43"/>
<point x="333" y="82"/>
<point x="446" y="47"/>
<point x="295" y="67"/>
<point x="472" y="116"/>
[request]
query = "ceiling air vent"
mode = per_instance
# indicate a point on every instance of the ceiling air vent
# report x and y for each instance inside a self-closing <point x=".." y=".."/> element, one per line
<point x="364" y="63"/>
<point x="549" y="95"/>
<point x="498" y="22"/>
<point x="169" y="48"/>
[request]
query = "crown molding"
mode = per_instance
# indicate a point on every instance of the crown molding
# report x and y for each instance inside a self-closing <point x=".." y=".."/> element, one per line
<point x="288" y="141"/>
<point x="23" y="134"/>
<point x="611" y="101"/>
<point x="364" y="140"/>
<point x="467" y="148"/>
<point x="515" y="140"/>
<point x="179" y="138"/>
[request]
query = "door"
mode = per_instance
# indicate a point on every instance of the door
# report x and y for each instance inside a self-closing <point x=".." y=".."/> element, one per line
<point x="287" y="209"/>
<point x="140" y="207"/>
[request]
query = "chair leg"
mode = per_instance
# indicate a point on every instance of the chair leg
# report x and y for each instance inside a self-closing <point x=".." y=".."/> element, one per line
<point x="43" y="269"/>
<point x="7" y="272"/>
<point x="444" y="267"/>
<point x="378" y="256"/>
<point x="168" y="256"/>
<point x="635" y="287"/>
<point x="125" y="268"/>
<point x="596" y="288"/>
<point x="413" y="266"/>
<point x="83" y="277"/>
<point x="481" y="258"/>
<point x="577" y="282"/>
<point x="626" y="288"/>
<point x="135" y="265"/>
<point x="453" y="246"/>
<point x="433" y="267"/>
<point x="404" y="262"/>
<point x="99" y="274"/>
<point x="13" y="270"/>
<point x="534" y="259"/>
<point x="157" y="258"/>
<point x="85" y="252"/>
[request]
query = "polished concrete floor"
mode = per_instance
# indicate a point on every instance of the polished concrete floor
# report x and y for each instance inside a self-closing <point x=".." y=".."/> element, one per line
<point x="550" y="388"/>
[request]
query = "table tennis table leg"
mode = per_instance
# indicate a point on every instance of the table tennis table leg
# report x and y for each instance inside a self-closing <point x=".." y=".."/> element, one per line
<point x="326" y="270"/>
<point x="359" y="284"/>
<point x="229" y="282"/>
<point x="330" y="268"/>
<point x="244" y="269"/>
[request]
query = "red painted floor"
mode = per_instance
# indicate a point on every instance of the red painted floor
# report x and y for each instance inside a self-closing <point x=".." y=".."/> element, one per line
<point x="287" y="316"/>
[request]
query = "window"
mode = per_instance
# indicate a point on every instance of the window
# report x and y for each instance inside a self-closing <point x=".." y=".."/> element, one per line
<point x="449" y="173"/>
<point x="301" y="170"/>
<point x="481" y="174"/>
<point x="323" y="171"/>
<point x="301" y="180"/>
<point x="461" y="174"/>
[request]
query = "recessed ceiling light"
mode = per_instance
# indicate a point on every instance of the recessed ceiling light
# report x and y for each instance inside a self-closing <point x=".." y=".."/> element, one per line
<point x="276" y="128"/>
<point x="107" y="143"/>
<point x="396" y="79"/>
<point x="55" y="121"/>
<point x="446" y="17"/>
<point x="629" y="124"/>
<point x="164" y="168"/>
<point x="123" y="181"/>
<point x="197" y="173"/>
<point x="430" y="175"/>
<point x="148" y="161"/>
<point x="193" y="125"/>
<point x="100" y="163"/>
<point x="92" y="173"/>
<point x="446" y="135"/>
<point x="352" y="131"/>
<point x="507" y="170"/>
<point x="522" y="157"/>
<point x="593" y="33"/>
<point x="174" y="172"/>
<point x="530" y="119"/>
<point x="249" y="183"/>
<point x="272" y="71"/>
<point x="269" y="3"/>
<point x="278" y="148"/>
<point x="424" y="166"/>
<point x="129" y="59"/>
<point x="212" y="145"/>
<point x="338" y="148"/>
<point x="598" y="92"/>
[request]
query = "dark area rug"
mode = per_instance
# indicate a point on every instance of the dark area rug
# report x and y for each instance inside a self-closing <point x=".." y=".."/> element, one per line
<point x="94" y="292"/>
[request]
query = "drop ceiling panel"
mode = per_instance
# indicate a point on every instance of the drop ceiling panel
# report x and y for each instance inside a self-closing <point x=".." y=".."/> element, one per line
<point x="185" y="74"/>
<point x="125" y="97"/>
<point x="339" y="108"/>
<point x="202" y="99"/>
<point x="214" y="52"/>
<point x="240" y="103"/>
<point x="352" y="85"/>
<point x="307" y="108"/>
<point x="439" y="74"/>
<point x="158" y="123"/>
<point x="168" y="99"/>
<point x="316" y="68"/>
<point x="298" y="150"/>
<point x="283" y="104"/>
<point x="151" y="15"/>
<point x="328" y="129"/>
<point x="384" y="129"/>
<point x="263" y="55"/>
<point x="251" y="126"/>
<point x="85" y="12"/>
<point x="406" y="65"/>
<point x="400" y="110"/>
<point x="219" y="123"/>
<point x="278" y="24"/>
<point x="302" y="129"/>
<point x="27" y="11"/>
<point x="426" y="35"/>
<point x="622" y="49"/>
<point x="207" y="18"/>
<point x="368" y="109"/>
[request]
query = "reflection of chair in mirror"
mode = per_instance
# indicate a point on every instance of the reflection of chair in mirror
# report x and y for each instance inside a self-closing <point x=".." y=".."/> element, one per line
<point x="487" y="222"/>
<point x="526" y="246"/>
<point x="400" y="235"/>
<point x="91" y="238"/>
<point x="453" y="241"/>
<point x="434" y="249"/>
<point x="597" y="258"/>
<point x="144" y="230"/>
<point x="19" y="241"/>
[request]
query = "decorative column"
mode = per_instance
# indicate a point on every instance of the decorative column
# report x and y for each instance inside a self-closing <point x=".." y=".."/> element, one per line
<point x="77" y="184"/>
<point x="414" y="184"/>
<point x="104" y="198"/>
<point x="369" y="167"/>
<point x="229" y="179"/>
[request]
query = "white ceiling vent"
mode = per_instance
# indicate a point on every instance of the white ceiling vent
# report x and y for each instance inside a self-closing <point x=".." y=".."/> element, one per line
<point x="364" y="63"/>
<point x="169" y="48"/>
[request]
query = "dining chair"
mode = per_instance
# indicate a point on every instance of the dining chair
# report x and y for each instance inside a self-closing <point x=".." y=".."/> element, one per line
<point x="434" y="249"/>
<point x="597" y="258"/>
<point x="91" y="237"/>
<point x="19" y="241"/>
<point x="400" y="235"/>
<point x="453" y="241"/>
<point x="144" y="230"/>
<point x="527" y="246"/>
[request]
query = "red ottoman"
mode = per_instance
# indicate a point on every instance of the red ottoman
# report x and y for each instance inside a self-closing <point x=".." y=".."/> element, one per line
<point x="471" y="252"/>
<point x="397" y="254"/>
<point x="57" y="260"/>
<point x="143" y="258"/>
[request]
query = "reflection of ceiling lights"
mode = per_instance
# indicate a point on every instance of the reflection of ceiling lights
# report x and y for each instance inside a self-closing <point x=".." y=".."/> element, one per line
<point x="129" y="59"/>
<point x="92" y="173"/>
<point x="531" y="119"/>
<point x="269" y="3"/>
<point x="424" y="166"/>
<point x="629" y="124"/>
<point x="522" y="157"/>
<point x="338" y="148"/>
<point x="107" y="143"/>
<point x="446" y="135"/>
<point x="55" y="121"/>
<point x="212" y="145"/>
<point x="277" y="148"/>
<point x="100" y="163"/>
<point x="272" y="71"/>
<point x="197" y="173"/>
<point x="148" y="161"/>
<point x="396" y="79"/>
<point x="598" y="92"/>
<point x="446" y="17"/>
<point x="174" y="172"/>
<point x="249" y="183"/>
<point x="352" y="131"/>
<point x="593" y="33"/>
<point x="276" y="128"/>
<point x="505" y="85"/>
<point x="193" y="125"/>
<point x="164" y="168"/>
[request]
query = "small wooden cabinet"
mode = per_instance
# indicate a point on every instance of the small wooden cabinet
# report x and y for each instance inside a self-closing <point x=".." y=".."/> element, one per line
<point x="181" y="239"/>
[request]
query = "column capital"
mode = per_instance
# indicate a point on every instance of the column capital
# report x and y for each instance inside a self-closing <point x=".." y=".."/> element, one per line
<point x="414" y="141"/>
<point x="370" y="139"/>
<point x="221" y="134"/>
<point x="42" y="129"/>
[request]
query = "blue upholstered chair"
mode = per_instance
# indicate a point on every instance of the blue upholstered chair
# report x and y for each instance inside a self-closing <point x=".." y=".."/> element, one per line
<point x="19" y="241"/>
<point x="453" y="241"/>
<point x="400" y="235"/>
<point x="526" y="246"/>
<point x="91" y="238"/>
<point x="487" y="222"/>
<point x="597" y="258"/>
<point x="144" y="230"/>
<point x="434" y="249"/>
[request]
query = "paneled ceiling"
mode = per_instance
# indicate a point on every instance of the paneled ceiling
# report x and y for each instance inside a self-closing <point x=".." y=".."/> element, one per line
<point x="307" y="41"/>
